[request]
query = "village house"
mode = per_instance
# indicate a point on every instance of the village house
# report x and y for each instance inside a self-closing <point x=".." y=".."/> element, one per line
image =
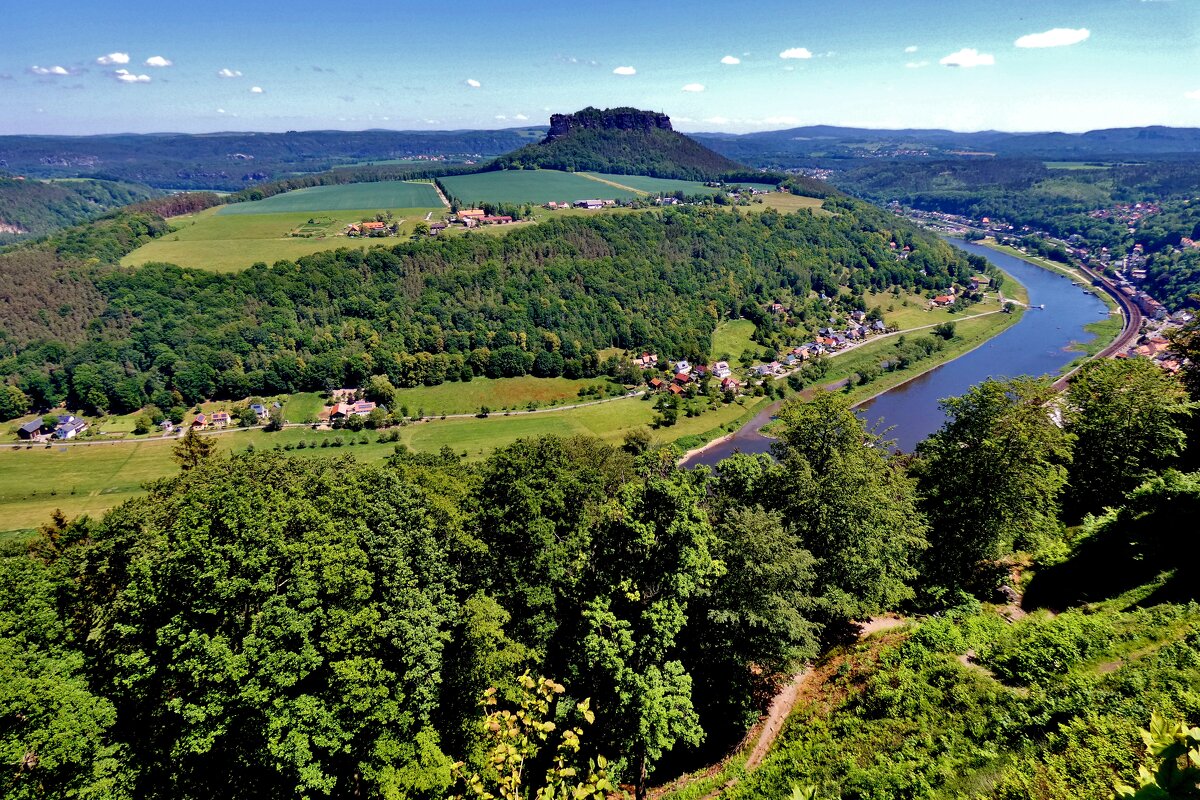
<point x="358" y="408"/>
<point x="682" y="378"/>
<point x="675" y="389"/>
<point x="943" y="300"/>
<point x="70" y="427"/>
<point x="721" y="369"/>
<point x="731" y="384"/>
<point x="200" y="421"/>
<point x="858" y="316"/>
<point x="496" y="220"/>
<point x="220" y="419"/>
<point x="647" y="360"/>
<point x="259" y="410"/>
<point x="980" y="282"/>
<point x="470" y="213"/>
<point x="31" y="429"/>
<point x="166" y="426"/>
<point x="683" y="367"/>
<point x="591" y="205"/>
<point x="656" y="384"/>
<point x="437" y="228"/>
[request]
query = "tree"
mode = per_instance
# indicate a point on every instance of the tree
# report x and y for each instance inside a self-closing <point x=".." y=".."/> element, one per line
<point x="652" y="556"/>
<point x="13" y="403"/>
<point x="849" y="505"/>
<point x="56" y="737"/>
<point x="755" y="622"/>
<point x="380" y="390"/>
<point x="1125" y="415"/>
<point x="991" y="477"/>
<point x="262" y="636"/>
<point x="193" y="450"/>
<point x="275" y="419"/>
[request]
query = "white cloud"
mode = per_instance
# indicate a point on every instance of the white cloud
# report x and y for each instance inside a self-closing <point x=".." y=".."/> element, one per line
<point x="1192" y="95"/>
<point x="624" y="71"/>
<point x="693" y="87"/>
<point x="256" y="90"/>
<point x="968" y="57"/>
<point x="796" y="52"/>
<point x="912" y="48"/>
<point x="501" y="117"/>
<point x="717" y="120"/>
<point x="1055" y="37"/>
<point x="474" y="84"/>
<point x="521" y="117"/>
<point x="731" y="60"/>
<point x="220" y="111"/>
<point x="158" y="61"/>
<point x="113" y="58"/>
<point x="125" y="76"/>
<point x="36" y="70"/>
<point x="916" y="64"/>
<point x="229" y="73"/>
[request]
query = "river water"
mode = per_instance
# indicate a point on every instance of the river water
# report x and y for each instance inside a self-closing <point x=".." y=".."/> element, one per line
<point x="1037" y="345"/>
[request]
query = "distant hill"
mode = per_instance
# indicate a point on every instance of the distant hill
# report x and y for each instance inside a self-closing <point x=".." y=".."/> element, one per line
<point x="624" y="141"/>
<point x="234" y="161"/>
<point x="786" y="147"/>
<point x="30" y="208"/>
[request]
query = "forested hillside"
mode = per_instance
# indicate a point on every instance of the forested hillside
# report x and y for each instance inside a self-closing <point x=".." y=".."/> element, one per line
<point x="541" y="300"/>
<point x="31" y="208"/>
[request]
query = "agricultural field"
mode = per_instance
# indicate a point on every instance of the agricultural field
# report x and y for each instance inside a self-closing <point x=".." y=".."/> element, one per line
<point x="346" y="197"/>
<point x="229" y="242"/>
<point x="656" y="186"/>
<point x="531" y="186"/>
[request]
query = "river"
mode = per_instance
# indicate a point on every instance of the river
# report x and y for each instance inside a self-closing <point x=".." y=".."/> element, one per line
<point x="1039" y="344"/>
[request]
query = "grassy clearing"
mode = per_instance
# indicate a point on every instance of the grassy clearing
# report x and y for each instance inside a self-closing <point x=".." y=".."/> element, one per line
<point x="495" y="393"/>
<point x="1075" y="165"/>
<point x="229" y="242"/>
<point x="732" y="337"/>
<point x="346" y="197"/>
<point x="531" y="186"/>
<point x="303" y="407"/>
<point x="911" y="310"/>
<point x="785" y="201"/>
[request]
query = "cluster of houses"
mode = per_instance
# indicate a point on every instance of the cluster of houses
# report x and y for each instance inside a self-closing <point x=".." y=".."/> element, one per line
<point x="217" y="419"/>
<point x="590" y="205"/>
<point x="372" y="228"/>
<point x="685" y="373"/>
<point x="67" y="427"/>
<point x="473" y="217"/>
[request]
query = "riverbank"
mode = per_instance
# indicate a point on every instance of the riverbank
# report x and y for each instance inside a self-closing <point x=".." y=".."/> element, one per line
<point x="971" y="332"/>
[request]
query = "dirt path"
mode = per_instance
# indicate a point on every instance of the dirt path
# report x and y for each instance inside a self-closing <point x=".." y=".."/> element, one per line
<point x="767" y="731"/>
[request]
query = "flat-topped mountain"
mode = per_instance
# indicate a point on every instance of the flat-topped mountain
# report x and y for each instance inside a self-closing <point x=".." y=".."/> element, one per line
<point x="626" y="141"/>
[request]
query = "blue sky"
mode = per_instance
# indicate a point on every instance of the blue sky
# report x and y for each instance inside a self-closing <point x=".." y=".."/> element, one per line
<point x="86" y="67"/>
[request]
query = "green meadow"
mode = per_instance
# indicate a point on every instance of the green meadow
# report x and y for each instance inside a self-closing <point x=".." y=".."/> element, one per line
<point x="732" y="338"/>
<point x="89" y="479"/>
<point x="346" y="197"/>
<point x="225" y="242"/>
<point x="643" y="183"/>
<point x="531" y="186"/>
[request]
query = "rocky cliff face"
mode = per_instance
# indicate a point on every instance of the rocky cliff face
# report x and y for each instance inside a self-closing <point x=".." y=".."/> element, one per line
<point x="626" y="119"/>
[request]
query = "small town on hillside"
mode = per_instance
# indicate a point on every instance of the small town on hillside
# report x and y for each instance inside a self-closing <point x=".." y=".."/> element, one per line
<point x="1125" y="273"/>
